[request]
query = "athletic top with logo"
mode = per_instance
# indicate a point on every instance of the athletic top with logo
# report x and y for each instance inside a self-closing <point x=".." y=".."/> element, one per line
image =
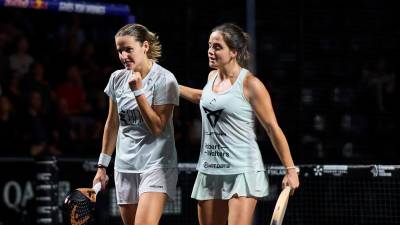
<point x="138" y="150"/>
<point x="229" y="143"/>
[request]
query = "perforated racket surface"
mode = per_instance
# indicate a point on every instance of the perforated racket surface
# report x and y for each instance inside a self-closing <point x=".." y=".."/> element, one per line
<point x="80" y="205"/>
<point x="280" y="207"/>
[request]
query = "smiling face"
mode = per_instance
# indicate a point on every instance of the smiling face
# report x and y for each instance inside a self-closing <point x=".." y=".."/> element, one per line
<point x="219" y="53"/>
<point x="132" y="53"/>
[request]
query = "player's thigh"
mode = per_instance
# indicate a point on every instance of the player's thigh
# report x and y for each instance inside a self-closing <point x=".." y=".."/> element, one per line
<point x="212" y="212"/>
<point x="128" y="212"/>
<point x="241" y="210"/>
<point x="150" y="208"/>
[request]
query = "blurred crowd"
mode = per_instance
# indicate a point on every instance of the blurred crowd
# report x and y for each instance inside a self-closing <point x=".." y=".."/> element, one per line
<point x="52" y="76"/>
<point x="54" y="68"/>
<point x="51" y="86"/>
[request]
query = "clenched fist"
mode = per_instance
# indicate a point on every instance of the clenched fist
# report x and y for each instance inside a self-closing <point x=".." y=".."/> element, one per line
<point x="135" y="81"/>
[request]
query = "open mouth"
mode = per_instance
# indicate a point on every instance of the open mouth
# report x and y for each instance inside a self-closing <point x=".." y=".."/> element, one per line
<point x="128" y="64"/>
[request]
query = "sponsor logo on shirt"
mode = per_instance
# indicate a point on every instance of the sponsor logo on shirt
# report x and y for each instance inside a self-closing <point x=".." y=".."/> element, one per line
<point x="215" y="133"/>
<point x="215" y="165"/>
<point x="217" y="153"/>
<point x="213" y="116"/>
<point x="213" y="146"/>
<point x="156" y="186"/>
<point x="130" y="117"/>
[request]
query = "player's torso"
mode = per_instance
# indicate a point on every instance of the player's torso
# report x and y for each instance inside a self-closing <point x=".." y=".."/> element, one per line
<point x="137" y="148"/>
<point x="228" y="138"/>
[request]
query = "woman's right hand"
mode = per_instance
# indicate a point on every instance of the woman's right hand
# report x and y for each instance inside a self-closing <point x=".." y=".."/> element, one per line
<point x="135" y="81"/>
<point x="102" y="177"/>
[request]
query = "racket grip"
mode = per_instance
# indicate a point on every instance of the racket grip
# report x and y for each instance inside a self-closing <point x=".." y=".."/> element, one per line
<point x="97" y="187"/>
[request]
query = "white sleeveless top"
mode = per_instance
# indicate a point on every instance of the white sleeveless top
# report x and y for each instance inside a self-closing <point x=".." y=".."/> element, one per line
<point x="229" y="143"/>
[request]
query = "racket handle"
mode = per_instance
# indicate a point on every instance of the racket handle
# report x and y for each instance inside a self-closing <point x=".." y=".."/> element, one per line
<point x="97" y="187"/>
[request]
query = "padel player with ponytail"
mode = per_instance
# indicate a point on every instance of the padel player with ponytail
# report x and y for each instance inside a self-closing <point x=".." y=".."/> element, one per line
<point x="139" y="126"/>
<point x="231" y="173"/>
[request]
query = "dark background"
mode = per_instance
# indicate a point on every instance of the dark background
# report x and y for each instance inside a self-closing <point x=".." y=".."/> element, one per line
<point x="331" y="69"/>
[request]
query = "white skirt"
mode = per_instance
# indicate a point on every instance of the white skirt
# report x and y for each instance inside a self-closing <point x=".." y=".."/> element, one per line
<point x="250" y="184"/>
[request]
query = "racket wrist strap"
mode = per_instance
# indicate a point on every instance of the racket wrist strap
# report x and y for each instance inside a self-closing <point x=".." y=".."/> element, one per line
<point x="101" y="166"/>
<point x="104" y="160"/>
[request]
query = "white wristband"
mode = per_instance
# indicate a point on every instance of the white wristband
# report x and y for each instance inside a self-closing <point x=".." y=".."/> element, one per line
<point x="293" y="167"/>
<point x="138" y="92"/>
<point x="104" y="159"/>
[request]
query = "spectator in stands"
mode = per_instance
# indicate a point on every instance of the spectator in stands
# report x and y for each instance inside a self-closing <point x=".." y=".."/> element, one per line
<point x="73" y="91"/>
<point x="8" y="130"/>
<point x="231" y="173"/>
<point x="37" y="128"/>
<point x="63" y="130"/>
<point x="142" y="97"/>
<point x="21" y="60"/>
<point x="36" y="81"/>
<point x="13" y="91"/>
<point x="4" y="39"/>
<point x="380" y="81"/>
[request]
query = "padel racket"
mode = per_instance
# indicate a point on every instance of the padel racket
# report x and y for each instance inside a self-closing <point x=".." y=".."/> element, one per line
<point x="79" y="205"/>
<point x="280" y="207"/>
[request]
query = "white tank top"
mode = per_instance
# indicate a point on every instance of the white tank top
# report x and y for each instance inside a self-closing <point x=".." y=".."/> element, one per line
<point x="229" y="143"/>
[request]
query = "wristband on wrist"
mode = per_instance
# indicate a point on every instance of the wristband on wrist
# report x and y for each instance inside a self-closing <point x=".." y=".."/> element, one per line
<point x="138" y="92"/>
<point x="104" y="160"/>
<point x="292" y="168"/>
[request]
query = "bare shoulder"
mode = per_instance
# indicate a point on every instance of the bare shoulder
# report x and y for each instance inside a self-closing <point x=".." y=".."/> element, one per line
<point x="211" y="74"/>
<point x="252" y="84"/>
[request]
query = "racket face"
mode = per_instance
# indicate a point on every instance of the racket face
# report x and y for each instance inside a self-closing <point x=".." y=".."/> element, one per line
<point x="79" y="209"/>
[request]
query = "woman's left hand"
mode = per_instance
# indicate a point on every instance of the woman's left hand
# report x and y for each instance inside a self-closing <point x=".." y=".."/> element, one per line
<point x="135" y="81"/>
<point x="291" y="179"/>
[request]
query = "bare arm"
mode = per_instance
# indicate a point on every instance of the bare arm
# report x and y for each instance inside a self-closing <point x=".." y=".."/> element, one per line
<point x="109" y="141"/>
<point x="155" y="116"/>
<point x="191" y="94"/>
<point x="110" y="129"/>
<point x="260" y="100"/>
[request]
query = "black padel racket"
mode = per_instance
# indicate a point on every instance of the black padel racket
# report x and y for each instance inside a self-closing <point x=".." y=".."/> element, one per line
<point x="79" y="205"/>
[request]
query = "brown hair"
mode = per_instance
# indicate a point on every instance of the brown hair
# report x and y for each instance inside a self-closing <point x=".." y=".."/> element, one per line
<point x="142" y="34"/>
<point x="236" y="39"/>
